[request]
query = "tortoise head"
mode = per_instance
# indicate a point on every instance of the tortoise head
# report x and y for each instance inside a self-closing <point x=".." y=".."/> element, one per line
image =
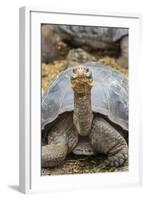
<point x="81" y="80"/>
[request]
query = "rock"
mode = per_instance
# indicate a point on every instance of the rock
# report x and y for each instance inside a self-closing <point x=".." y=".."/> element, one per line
<point x="48" y="43"/>
<point x="78" y="56"/>
<point x="123" y="59"/>
<point x="52" y="45"/>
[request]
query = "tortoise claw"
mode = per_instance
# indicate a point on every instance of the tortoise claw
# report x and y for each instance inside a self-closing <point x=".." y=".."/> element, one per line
<point x="116" y="161"/>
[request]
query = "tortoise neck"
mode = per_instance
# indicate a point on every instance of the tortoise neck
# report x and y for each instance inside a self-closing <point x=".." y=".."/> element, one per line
<point x="82" y="116"/>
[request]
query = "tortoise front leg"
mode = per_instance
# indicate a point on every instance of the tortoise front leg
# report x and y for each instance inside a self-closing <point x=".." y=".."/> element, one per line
<point x="59" y="145"/>
<point x="56" y="150"/>
<point x="105" y="139"/>
<point x="53" y="154"/>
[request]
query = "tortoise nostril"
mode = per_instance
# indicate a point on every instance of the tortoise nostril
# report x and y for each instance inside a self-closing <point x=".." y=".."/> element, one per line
<point x="74" y="70"/>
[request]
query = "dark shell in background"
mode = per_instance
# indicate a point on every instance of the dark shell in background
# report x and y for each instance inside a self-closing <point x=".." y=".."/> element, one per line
<point x="91" y="36"/>
<point x="87" y="37"/>
<point x="109" y="95"/>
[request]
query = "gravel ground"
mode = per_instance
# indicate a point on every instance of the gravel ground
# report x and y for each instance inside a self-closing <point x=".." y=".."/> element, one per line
<point x="83" y="164"/>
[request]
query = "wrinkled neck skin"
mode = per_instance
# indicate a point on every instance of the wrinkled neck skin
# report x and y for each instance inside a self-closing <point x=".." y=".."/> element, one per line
<point x="82" y="116"/>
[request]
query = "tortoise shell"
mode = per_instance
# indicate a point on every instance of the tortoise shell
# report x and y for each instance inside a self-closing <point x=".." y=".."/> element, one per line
<point x="93" y="33"/>
<point x="109" y="95"/>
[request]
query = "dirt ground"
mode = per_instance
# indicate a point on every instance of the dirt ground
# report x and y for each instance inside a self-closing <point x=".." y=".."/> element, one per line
<point x="75" y="164"/>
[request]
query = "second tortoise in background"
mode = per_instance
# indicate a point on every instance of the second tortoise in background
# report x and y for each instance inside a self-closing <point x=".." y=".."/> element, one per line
<point x="90" y="38"/>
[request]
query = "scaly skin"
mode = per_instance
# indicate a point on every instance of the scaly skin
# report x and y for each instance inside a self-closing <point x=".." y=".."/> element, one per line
<point x="82" y="115"/>
<point x="62" y="138"/>
<point x="53" y="154"/>
<point x="82" y="83"/>
<point x="105" y="139"/>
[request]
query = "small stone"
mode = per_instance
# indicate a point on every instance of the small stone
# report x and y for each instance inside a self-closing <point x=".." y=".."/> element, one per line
<point x="78" y="56"/>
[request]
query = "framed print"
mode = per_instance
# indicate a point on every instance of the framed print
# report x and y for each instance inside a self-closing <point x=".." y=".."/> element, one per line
<point x="79" y="110"/>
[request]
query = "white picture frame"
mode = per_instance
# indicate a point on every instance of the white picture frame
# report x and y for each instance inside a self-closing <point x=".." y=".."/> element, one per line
<point x="30" y="101"/>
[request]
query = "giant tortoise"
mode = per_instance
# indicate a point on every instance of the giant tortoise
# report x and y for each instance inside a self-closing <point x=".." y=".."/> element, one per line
<point x="85" y="111"/>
